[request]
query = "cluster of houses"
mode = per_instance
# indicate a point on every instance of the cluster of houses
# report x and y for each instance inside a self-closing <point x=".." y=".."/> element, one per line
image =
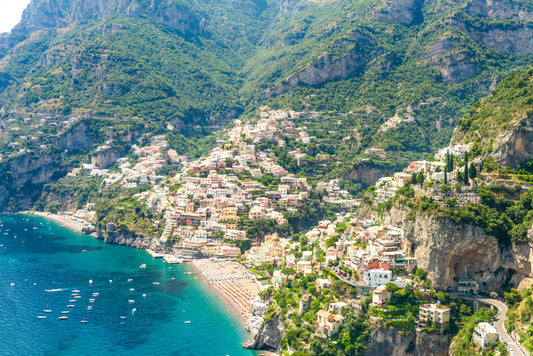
<point x="206" y="202"/>
<point x="372" y="251"/>
<point x="434" y="176"/>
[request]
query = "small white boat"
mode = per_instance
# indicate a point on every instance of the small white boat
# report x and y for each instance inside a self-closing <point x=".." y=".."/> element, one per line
<point x="72" y="300"/>
<point x="41" y="316"/>
<point x="122" y="317"/>
<point x="89" y="307"/>
<point x="155" y="283"/>
<point x="110" y="281"/>
<point x="143" y="265"/>
<point x="131" y="301"/>
<point x="70" y="306"/>
<point x="47" y="310"/>
<point x="77" y="296"/>
<point x="187" y="322"/>
<point x="91" y="300"/>
<point x="96" y="294"/>
<point x="65" y="312"/>
<point x="132" y="289"/>
<point x="63" y="317"/>
<point x="90" y="281"/>
<point x="144" y="294"/>
<point x="84" y="320"/>
<point x="130" y="279"/>
<point x="75" y="291"/>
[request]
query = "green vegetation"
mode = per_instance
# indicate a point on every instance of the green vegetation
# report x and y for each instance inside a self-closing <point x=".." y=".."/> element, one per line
<point x="520" y="316"/>
<point x="503" y="212"/>
<point x="462" y="343"/>
<point x="504" y="109"/>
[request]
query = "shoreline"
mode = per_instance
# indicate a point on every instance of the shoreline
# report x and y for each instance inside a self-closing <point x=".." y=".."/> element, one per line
<point x="72" y="223"/>
<point x="231" y="281"/>
<point x="227" y="279"/>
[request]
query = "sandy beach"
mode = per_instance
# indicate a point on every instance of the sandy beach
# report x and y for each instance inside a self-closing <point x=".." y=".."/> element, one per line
<point x="232" y="281"/>
<point x="70" y="222"/>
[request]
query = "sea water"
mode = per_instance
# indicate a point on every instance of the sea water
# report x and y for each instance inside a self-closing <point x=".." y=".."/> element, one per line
<point x="126" y="309"/>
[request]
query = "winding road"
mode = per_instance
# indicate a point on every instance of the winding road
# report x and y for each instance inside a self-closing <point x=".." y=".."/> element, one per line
<point x="499" y="323"/>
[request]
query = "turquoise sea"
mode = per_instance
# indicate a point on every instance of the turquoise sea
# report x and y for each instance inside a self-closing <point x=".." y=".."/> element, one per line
<point x="129" y="310"/>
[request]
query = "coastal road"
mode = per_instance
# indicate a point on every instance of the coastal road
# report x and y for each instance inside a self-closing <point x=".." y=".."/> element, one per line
<point x="499" y="323"/>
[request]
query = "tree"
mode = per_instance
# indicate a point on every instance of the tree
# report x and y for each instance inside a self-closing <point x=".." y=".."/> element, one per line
<point x="472" y="172"/>
<point x="449" y="162"/>
<point x="288" y="271"/>
<point x="465" y="175"/>
<point x="465" y="310"/>
<point x="391" y="287"/>
<point x="445" y="175"/>
<point x="513" y="297"/>
<point x="420" y="274"/>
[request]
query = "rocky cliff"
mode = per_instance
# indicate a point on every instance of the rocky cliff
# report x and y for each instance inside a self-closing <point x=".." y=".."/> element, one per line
<point x="516" y="145"/>
<point x="501" y="125"/>
<point x="23" y="175"/>
<point x="47" y="14"/>
<point x="129" y="239"/>
<point x="393" y="342"/>
<point x="267" y="336"/>
<point x="361" y="49"/>
<point x="449" y="252"/>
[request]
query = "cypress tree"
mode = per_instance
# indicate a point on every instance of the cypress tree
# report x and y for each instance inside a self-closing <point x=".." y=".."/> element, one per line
<point x="466" y="169"/>
<point x="472" y="171"/>
<point x="446" y="174"/>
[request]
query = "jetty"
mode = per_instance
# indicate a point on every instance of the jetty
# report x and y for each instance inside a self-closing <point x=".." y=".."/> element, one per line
<point x="172" y="259"/>
<point x="155" y="254"/>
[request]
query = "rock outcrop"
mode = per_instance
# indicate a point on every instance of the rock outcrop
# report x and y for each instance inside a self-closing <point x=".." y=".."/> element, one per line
<point x="267" y="336"/>
<point x="448" y="251"/>
<point x="457" y="67"/>
<point x="498" y="10"/>
<point x="403" y="11"/>
<point x="393" y="342"/>
<point x="129" y="239"/>
<point x="515" y="146"/>
<point x="445" y="250"/>
<point x="362" y="51"/>
<point x="510" y="41"/>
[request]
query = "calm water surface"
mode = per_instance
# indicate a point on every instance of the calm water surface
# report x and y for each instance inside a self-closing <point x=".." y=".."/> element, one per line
<point x="153" y="311"/>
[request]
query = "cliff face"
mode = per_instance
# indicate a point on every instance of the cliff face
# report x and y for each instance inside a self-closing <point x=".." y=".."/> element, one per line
<point x="392" y="342"/>
<point x="365" y="173"/>
<point x="448" y="251"/>
<point x="520" y="259"/>
<point x="403" y="11"/>
<point x="45" y="14"/>
<point x="129" y="239"/>
<point x="267" y="336"/>
<point x="22" y="176"/>
<point x="362" y="50"/>
<point x="498" y="10"/>
<point x="515" y="146"/>
<point x="445" y="250"/>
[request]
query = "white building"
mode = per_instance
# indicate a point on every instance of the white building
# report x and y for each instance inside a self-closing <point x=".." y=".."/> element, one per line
<point x="485" y="334"/>
<point x="380" y="295"/>
<point x="377" y="277"/>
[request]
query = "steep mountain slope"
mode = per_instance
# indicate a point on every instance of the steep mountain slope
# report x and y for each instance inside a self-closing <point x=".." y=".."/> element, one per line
<point x="195" y="60"/>
<point x="400" y="73"/>
<point x="501" y="125"/>
<point x="424" y="61"/>
<point x="157" y="60"/>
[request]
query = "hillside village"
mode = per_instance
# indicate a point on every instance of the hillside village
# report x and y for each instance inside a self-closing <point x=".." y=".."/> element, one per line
<point x="211" y="203"/>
